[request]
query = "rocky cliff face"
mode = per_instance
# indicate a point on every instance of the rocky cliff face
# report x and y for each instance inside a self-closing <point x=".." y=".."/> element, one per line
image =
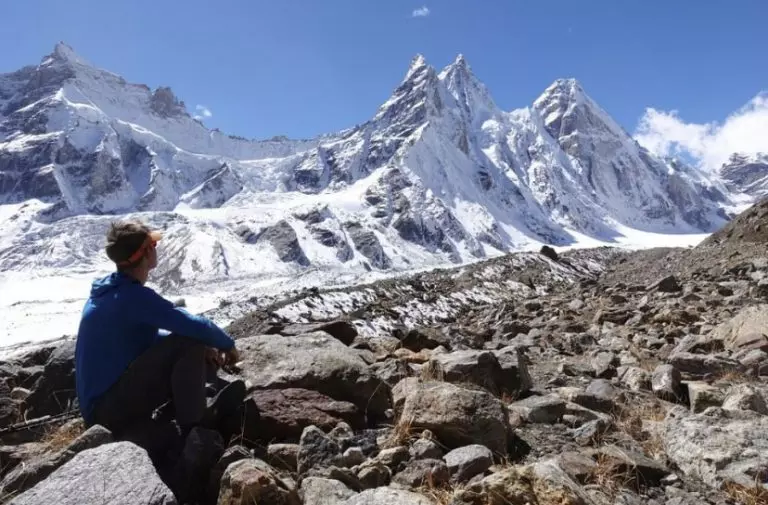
<point x="747" y="174"/>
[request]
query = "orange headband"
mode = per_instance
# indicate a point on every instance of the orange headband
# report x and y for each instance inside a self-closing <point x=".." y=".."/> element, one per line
<point x="133" y="258"/>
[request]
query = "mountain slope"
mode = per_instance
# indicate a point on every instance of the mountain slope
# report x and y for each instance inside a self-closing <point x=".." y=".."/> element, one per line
<point x="440" y="174"/>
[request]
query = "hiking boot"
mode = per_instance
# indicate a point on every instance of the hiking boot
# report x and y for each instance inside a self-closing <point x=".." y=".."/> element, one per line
<point x="224" y="404"/>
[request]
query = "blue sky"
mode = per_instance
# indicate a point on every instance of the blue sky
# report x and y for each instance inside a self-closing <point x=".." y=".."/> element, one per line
<point x="303" y="67"/>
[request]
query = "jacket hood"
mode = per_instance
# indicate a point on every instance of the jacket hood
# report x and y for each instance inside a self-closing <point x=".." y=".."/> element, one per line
<point x="102" y="286"/>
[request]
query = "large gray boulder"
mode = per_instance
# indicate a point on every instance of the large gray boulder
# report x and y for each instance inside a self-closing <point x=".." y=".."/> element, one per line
<point x="456" y="415"/>
<point x="746" y="330"/>
<point x="40" y="466"/>
<point x="314" y="361"/>
<point x="717" y="446"/>
<point x="118" y="474"/>
<point x="484" y="369"/>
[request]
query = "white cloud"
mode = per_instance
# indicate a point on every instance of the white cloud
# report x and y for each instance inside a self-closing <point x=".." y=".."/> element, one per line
<point x="203" y="112"/>
<point x="421" y="12"/>
<point x="710" y="144"/>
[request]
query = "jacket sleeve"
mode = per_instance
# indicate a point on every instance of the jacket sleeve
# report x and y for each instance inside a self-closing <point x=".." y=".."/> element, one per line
<point x="155" y="310"/>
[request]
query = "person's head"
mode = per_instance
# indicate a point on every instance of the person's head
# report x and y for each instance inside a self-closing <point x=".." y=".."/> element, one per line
<point x="131" y="245"/>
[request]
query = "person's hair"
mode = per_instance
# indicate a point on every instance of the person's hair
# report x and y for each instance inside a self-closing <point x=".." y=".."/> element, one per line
<point x="123" y="239"/>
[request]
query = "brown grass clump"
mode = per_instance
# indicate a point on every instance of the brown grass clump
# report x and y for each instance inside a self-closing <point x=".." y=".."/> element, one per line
<point x="402" y="433"/>
<point x="60" y="437"/>
<point x="756" y="495"/>
<point x="631" y="420"/>
<point x="432" y="371"/>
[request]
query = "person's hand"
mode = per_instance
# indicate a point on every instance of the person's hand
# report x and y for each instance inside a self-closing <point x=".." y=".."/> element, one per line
<point x="214" y="357"/>
<point x="231" y="357"/>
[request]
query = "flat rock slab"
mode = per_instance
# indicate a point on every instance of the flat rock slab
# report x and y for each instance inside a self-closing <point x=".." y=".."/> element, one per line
<point x="718" y="445"/>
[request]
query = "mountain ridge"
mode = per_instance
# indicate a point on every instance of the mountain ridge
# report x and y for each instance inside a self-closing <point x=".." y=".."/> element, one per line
<point x="438" y="175"/>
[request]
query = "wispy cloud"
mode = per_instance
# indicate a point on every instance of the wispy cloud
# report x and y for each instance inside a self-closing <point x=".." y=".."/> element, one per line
<point x="203" y="112"/>
<point x="421" y="12"/>
<point x="710" y="144"/>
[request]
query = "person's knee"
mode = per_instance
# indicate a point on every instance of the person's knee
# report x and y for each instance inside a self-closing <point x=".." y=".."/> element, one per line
<point x="188" y="347"/>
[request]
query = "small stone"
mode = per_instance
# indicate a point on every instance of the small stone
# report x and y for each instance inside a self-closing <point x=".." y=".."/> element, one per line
<point x="466" y="462"/>
<point x="547" y="409"/>
<point x="284" y="456"/>
<point x="666" y="383"/>
<point x="374" y="475"/>
<point x="668" y="284"/>
<point x="604" y="365"/>
<point x="421" y="472"/>
<point x="425" y="449"/>
<point x="353" y="456"/>
<point x="320" y="491"/>
<point x="701" y="396"/>
<point x="393" y="457"/>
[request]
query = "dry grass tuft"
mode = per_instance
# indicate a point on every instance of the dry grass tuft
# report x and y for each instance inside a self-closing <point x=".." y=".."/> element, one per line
<point x="442" y="495"/>
<point x="402" y="434"/>
<point x="756" y="495"/>
<point x="631" y="420"/>
<point x="432" y="371"/>
<point x="611" y="478"/>
<point x="58" y="438"/>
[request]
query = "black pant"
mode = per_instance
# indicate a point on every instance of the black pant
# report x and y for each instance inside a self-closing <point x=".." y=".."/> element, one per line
<point x="172" y="369"/>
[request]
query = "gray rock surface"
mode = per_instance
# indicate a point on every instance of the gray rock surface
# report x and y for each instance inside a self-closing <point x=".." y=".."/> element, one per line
<point x="319" y="491"/>
<point x="118" y="474"/>
<point x="40" y="466"/>
<point x="317" y="450"/>
<point x="717" y="445"/>
<point x="313" y="361"/>
<point x="388" y="496"/>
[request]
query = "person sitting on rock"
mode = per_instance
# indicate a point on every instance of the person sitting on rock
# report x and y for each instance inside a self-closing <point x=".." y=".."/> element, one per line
<point x="126" y="367"/>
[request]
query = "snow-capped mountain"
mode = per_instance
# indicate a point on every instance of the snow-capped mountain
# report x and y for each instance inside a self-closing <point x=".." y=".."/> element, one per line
<point x="747" y="173"/>
<point x="440" y="174"/>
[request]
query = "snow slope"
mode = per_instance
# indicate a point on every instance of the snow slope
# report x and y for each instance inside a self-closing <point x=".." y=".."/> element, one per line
<point x="439" y="175"/>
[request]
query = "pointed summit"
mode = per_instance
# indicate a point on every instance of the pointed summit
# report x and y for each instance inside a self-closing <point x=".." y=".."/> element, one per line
<point x="418" y="65"/>
<point x="467" y="89"/>
<point x="65" y="54"/>
<point x="561" y="90"/>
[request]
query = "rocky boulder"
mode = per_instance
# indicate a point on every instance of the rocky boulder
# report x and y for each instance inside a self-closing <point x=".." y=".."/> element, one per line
<point x="747" y="330"/>
<point x="718" y="446"/>
<point x="315" y="361"/>
<point x="284" y="413"/>
<point x="456" y="415"/>
<point x="40" y="466"/>
<point x="54" y="391"/>
<point x="118" y="474"/>
<point x="250" y="481"/>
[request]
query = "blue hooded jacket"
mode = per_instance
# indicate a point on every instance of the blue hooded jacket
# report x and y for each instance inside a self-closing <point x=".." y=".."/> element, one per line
<point x="120" y="321"/>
